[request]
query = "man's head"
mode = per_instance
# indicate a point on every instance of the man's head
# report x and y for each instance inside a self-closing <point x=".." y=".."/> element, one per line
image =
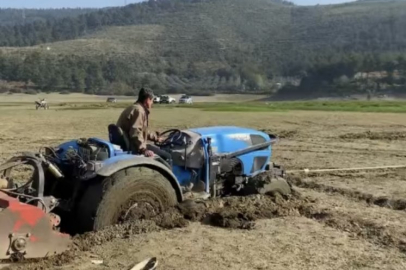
<point x="146" y="97"/>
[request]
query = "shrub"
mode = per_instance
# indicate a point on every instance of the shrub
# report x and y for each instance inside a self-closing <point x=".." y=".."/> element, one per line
<point x="15" y="91"/>
<point x="30" y="92"/>
<point x="130" y="94"/>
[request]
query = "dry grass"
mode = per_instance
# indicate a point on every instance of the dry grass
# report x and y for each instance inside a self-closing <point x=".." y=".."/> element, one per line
<point x="340" y="232"/>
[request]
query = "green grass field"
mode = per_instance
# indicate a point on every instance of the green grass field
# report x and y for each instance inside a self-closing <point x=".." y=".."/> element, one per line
<point x="350" y="106"/>
<point x="345" y="106"/>
<point x="219" y="103"/>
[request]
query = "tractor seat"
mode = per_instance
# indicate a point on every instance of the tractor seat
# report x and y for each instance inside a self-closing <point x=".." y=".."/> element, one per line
<point x="118" y="137"/>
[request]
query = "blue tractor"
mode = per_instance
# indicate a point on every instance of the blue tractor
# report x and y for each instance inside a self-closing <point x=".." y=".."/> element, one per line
<point x="98" y="183"/>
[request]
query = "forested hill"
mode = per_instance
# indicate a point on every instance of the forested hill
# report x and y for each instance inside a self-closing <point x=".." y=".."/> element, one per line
<point x="150" y="12"/>
<point x="205" y="45"/>
<point x="365" y="1"/>
<point x="12" y="16"/>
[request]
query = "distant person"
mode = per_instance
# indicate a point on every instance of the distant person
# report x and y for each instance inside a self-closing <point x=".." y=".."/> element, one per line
<point x="134" y="123"/>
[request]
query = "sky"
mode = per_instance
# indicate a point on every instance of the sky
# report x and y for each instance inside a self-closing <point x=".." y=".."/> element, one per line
<point x="106" y="3"/>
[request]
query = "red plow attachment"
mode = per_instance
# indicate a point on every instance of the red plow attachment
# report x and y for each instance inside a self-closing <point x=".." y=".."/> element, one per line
<point x="26" y="231"/>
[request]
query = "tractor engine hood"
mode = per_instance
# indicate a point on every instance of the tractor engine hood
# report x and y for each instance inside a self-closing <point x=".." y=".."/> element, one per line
<point x="230" y="140"/>
<point x="226" y="139"/>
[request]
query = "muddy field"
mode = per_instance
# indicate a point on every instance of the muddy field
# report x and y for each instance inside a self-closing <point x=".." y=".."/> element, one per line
<point x="340" y="220"/>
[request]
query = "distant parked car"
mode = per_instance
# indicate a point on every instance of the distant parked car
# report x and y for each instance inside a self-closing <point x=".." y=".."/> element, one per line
<point x="157" y="99"/>
<point x="185" y="99"/>
<point x="167" y="100"/>
<point x="111" y="99"/>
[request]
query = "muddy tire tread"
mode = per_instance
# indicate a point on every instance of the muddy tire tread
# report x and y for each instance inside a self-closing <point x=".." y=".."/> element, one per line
<point x="101" y="200"/>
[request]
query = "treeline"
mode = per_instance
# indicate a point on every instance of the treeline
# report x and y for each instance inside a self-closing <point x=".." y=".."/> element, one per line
<point x="328" y="76"/>
<point x="66" y="74"/>
<point x="12" y="16"/>
<point x="369" y="74"/>
<point x="114" y="75"/>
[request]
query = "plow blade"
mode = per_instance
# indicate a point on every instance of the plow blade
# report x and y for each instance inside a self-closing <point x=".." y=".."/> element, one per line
<point x="28" y="232"/>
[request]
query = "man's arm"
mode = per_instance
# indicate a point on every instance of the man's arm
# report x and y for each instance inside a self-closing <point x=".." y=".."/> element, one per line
<point x="136" y="134"/>
<point x="153" y="136"/>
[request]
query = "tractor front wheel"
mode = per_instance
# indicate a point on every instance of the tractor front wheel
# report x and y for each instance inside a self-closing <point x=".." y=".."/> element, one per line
<point x="276" y="185"/>
<point x="134" y="193"/>
<point x="267" y="184"/>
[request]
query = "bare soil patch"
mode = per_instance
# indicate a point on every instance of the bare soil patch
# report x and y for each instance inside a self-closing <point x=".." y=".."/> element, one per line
<point x="378" y="225"/>
<point x="370" y="135"/>
<point x="383" y="201"/>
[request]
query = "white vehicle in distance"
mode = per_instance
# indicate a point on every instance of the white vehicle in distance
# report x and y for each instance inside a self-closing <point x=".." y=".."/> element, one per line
<point x="157" y="99"/>
<point x="165" y="99"/>
<point x="186" y="99"/>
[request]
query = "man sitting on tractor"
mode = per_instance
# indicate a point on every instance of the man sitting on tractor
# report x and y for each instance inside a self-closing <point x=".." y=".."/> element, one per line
<point x="134" y="123"/>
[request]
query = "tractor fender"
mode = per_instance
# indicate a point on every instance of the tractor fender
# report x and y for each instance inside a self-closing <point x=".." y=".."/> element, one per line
<point x="118" y="165"/>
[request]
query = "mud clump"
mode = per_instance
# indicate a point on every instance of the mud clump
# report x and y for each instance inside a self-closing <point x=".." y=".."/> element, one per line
<point x="287" y="134"/>
<point x="193" y="211"/>
<point x="282" y="134"/>
<point x="370" y="135"/>
<point x="233" y="220"/>
<point x="242" y="212"/>
<point x="170" y="219"/>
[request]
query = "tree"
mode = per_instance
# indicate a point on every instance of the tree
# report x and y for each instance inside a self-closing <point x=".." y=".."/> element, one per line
<point x="94" y="78"/>
<point x="78" y="80"/>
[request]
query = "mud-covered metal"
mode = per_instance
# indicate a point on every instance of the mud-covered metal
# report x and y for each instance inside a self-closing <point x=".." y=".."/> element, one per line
<point x="27" y="231"/>
<point x="38" y="178"/>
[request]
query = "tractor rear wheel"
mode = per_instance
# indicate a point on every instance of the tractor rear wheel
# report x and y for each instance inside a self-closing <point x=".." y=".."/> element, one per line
<point x="134" y="193"/>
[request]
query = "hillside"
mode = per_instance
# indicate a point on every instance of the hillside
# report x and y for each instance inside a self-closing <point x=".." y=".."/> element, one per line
<point x="12" y="16"/>
<point x="223" y="45"/>
<point x="382" y="1"/>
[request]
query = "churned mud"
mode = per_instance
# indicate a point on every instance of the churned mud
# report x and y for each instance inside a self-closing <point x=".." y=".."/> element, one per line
<point x="370" y="230"/>
<point x="371" y="135"/>
<point x="242" y="212"/>
<point x="379" y="231"/>
<point x="382" y="201"/>
<point x="231" y="212"/>
<point x="282" y="134"/>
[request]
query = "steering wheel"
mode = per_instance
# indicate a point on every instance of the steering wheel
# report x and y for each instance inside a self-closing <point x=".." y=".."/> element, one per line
<point x="173" y="136"/>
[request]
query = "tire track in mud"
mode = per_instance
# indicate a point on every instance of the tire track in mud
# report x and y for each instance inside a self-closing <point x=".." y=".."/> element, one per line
<point x="340" y="151"/>
<point x="374" y="135"/>
<point x="382" y="201"/>
<point x="369" y="230"/>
